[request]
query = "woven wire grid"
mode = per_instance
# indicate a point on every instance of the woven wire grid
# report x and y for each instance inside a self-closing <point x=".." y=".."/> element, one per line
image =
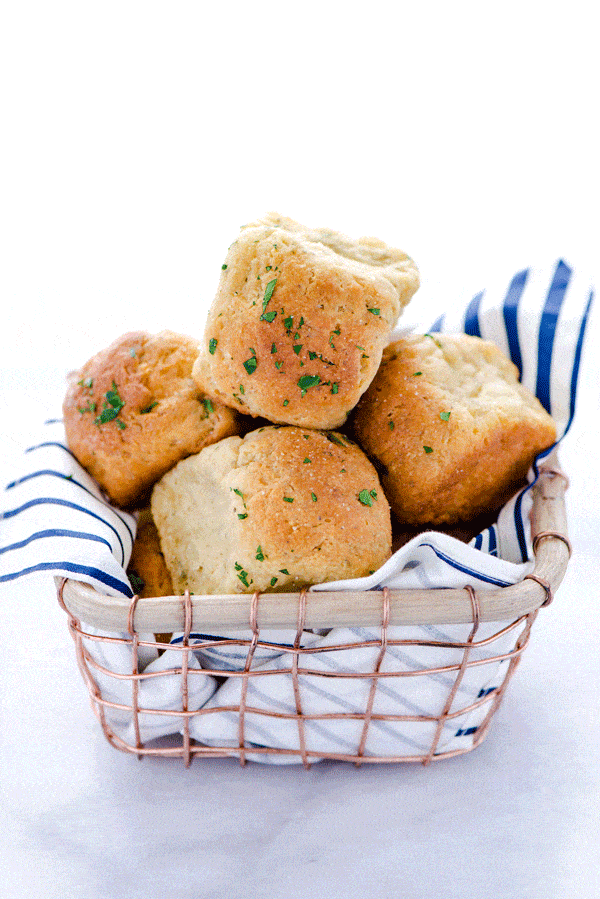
<point x="295" y="665"/>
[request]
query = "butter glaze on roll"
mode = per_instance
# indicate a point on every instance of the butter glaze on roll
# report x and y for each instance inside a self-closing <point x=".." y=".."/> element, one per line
<point x="300" y="320"/>
<point x="450" y="428"/>
<point x="280" y="509"/>
<point x="133" y="411"/>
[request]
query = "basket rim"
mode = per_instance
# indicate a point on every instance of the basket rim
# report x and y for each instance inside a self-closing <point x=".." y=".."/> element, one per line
<point x="348" y="608"/>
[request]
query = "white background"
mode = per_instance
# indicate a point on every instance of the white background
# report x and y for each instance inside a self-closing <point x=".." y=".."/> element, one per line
<point x="135" y="139"/>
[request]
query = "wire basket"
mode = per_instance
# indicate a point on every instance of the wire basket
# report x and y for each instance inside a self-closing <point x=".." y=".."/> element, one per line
<point x="378" y="676"/>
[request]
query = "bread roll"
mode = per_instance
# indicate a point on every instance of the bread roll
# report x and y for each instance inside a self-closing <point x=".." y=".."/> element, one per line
<point x="449" y="427"/>
<point x="134" y="410"/>
<point x="147" y="569"/>
<point x="280" y="509"/>
<point x="301" y="316"/>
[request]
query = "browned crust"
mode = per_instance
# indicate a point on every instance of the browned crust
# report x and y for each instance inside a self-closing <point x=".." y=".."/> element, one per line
<point x="328" y="318"/>
<point x="163" y="418"/>
<point x="440" y="470"/>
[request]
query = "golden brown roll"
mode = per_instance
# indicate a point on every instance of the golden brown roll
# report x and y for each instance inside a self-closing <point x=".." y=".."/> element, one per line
<point x="280" y="509"/>
<point x="133" y="411"/>
<point x="301" y="316"/>
<point x="147" y="569"/>
<point x="450" y="428"/>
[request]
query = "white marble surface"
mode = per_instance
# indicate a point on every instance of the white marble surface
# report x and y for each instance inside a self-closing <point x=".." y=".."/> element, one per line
<point x="139" y="137"/>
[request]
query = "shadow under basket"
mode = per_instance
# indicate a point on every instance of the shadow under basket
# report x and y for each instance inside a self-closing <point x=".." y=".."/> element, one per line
<point x="378" y="676"/>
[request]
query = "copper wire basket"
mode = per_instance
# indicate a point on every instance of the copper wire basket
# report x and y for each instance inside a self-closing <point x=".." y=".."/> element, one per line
<point x="508" y="614"/>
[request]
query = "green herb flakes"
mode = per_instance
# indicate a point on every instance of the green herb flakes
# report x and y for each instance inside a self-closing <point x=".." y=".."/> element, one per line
<point x="445" y="416"/>
<point x="391" y="425"/>
<point x="307" y="381"/>
<point x="273" y="349"/>
<point x="286" y="402"/>
<point x="314" y="497"/>
<point x="242" y="515"/>
<point x="296" y="348"/>
<point x="212" y="345"/>
<point x="335" y="387"/>
<point x="365" y="498"/>
<point x="260" y="556"/>
<point x="155" y="403"/>
<point x="274" y="581"/>
<point x="288" y="499"/>
<point x="374" y="311"/>
<point x="112" y="406"/>
<point x="251" y="364"/>
<point x="307" y="460"/>
<point x="223" y="267"/>
<point x="284" y="571"/>
<point x="428" y="449"/>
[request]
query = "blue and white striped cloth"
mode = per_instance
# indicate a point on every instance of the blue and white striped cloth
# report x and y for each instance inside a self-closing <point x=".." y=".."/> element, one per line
<point x="55" y="519"/>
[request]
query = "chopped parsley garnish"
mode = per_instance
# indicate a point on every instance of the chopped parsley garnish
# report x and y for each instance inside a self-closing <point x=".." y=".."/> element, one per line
<point x="112" y="406"/>
<point x="278" y="365"/>
<point x="250" y="364"/>
<point x="260" y="556"/>
<point x="335" y="387"/>
<point x="91" y="407"/>
<point x="288" y="499"/>
<point x="417" y="373"/>
<point x="155" y="403"/>
<point x="374" y="311"/>
<point x="428" y="449"/>
<point x="274" y="581"/>
<point x="224" y="266"/>
<point x="284" y="571"/>
<point x="296" y="348"/>
<point x="333" y="438"/>
<point x="242" y="391"/>
<point x="445" y="416"/>
<point x="391" y="425"/>
<point x="307" y="381"/>
<point x="243" y="576"/>
<point x="242" y="515"/>
<point x="314" y="498"/>
<point x="273" y="349"/>
<point x="307" y="460"/>
<point x="88" y="383"/>
<point x="137" y="583"/>
<point x="212" y="345"/>
<point x="268" y="316"/>
<point x="286" y="402"/>
<point x="288" y="322"/>
<point x="366" y="498"/>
